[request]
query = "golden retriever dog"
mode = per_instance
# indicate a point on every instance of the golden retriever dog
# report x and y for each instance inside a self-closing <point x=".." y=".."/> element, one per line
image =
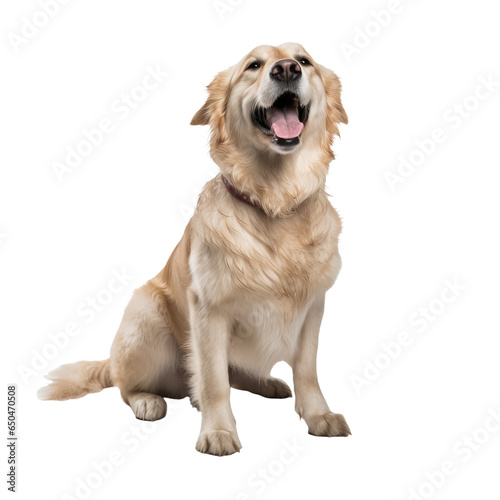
<point x="245" y="287"/>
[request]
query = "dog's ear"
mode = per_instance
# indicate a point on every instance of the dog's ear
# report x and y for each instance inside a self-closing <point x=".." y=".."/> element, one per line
<point x="202" y="116"/>
<point x="214" y="110"/>
<point x="336" y="112"/>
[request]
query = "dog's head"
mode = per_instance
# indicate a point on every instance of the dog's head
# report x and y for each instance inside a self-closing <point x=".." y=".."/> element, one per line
<point x="276" y="99"/>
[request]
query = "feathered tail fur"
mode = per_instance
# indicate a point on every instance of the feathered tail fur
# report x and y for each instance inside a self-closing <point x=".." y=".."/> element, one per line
<point x="76" y="380"/>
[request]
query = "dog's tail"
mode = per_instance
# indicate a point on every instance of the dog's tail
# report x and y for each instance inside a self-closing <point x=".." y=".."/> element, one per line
<point x="76" y="380"/>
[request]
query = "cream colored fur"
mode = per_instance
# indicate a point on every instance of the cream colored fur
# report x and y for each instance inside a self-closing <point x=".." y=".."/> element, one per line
<point x="245" y="287"/>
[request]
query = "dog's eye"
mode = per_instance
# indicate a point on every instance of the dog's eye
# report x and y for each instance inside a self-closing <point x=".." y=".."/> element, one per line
<point x="254" y="65"/>
<point x="304" y="61"/>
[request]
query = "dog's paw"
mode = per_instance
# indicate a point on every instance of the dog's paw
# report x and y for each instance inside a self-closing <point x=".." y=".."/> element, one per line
<point x="148" y="407"/>
<point x="276" y="388"/>
<point x="330" y="424"/>
<point x="218" y="443"/>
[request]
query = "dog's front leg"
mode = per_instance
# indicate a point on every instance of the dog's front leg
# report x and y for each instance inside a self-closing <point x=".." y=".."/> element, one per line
<point x="309" y="401"/>
<point x="210" y="330"/>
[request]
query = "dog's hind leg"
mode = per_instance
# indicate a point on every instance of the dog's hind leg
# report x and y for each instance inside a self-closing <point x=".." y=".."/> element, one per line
<point x="145" y="357"/>
<point x="147" y="406"/>
<point x="269" y="387"/>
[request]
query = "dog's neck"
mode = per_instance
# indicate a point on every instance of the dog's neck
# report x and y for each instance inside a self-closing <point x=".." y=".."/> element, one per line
<point x="278" y="189"/>
<point x="245" y="198"/>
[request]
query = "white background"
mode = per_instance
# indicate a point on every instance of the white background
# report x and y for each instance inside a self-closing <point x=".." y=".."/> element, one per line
<point x="125" y="207"/>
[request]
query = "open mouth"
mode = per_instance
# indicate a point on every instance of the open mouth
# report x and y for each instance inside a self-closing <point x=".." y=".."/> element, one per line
<point x="284" y="120"/>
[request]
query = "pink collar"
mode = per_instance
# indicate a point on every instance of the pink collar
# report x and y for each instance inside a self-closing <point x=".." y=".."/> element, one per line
<point x="237" y="193"/>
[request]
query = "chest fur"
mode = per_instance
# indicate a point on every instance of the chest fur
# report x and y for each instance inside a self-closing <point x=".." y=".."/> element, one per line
<point x="285" y="260"/>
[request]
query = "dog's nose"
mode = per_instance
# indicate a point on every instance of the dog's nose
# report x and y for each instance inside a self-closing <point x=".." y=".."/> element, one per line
<point x="286" y="70"/>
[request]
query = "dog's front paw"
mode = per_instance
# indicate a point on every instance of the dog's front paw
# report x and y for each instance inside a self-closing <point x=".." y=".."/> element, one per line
<point x="330" y="424"/>
<point x="218" y="443"/>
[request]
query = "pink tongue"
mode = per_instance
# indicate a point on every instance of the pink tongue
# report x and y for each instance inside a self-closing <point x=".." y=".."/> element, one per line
<point x="285" y="122"/>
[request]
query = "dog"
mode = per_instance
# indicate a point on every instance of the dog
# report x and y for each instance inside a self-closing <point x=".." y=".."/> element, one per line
<point x="245" y="286"/>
